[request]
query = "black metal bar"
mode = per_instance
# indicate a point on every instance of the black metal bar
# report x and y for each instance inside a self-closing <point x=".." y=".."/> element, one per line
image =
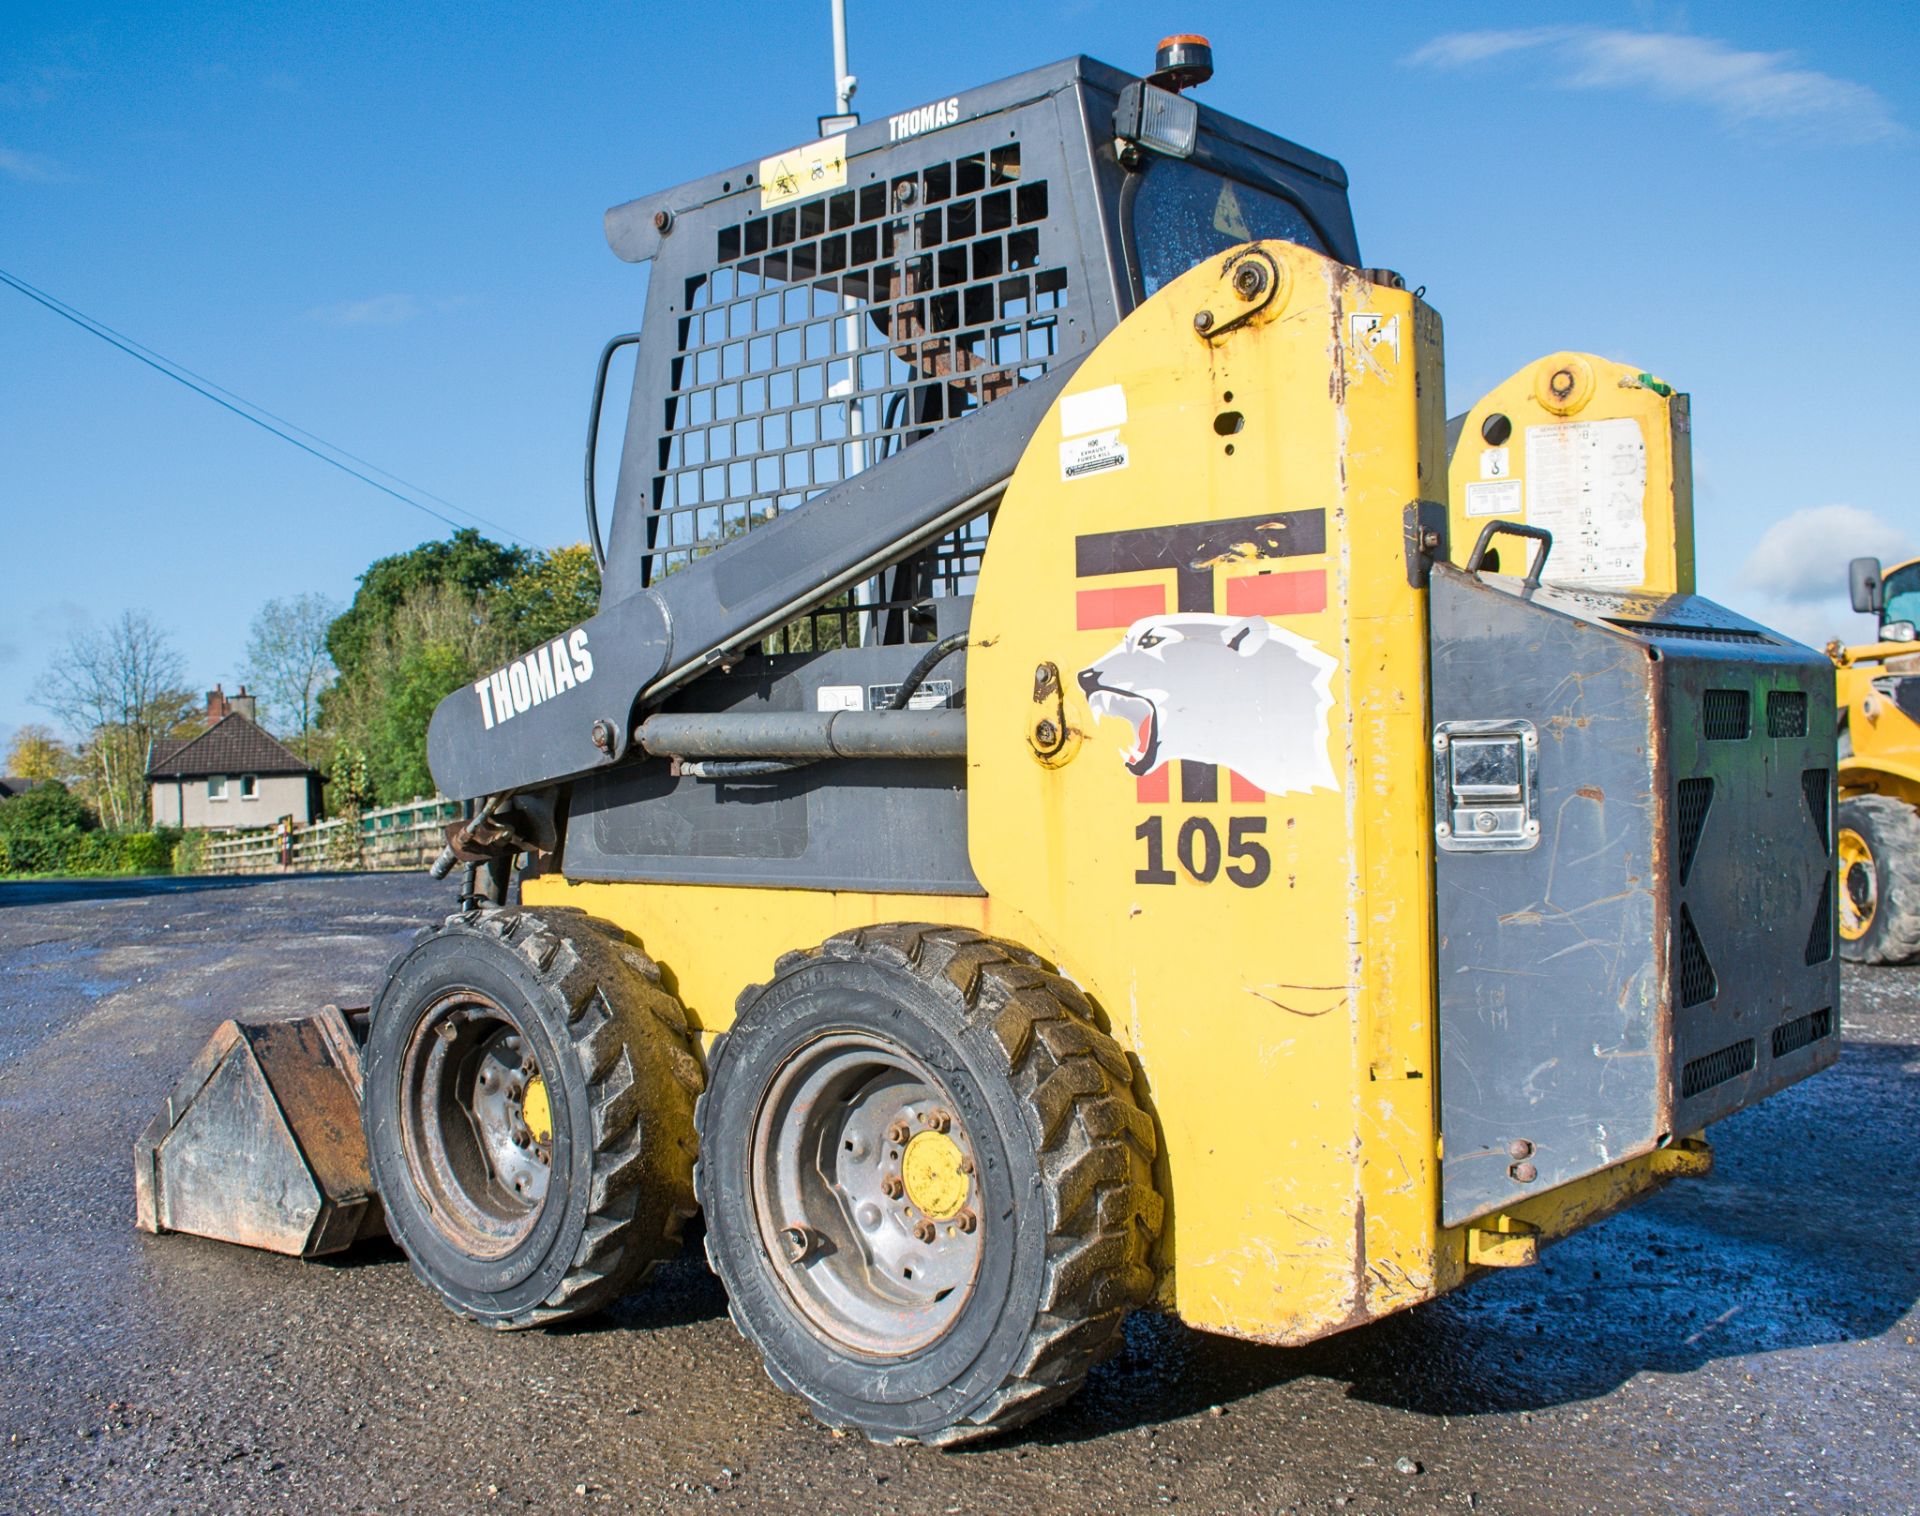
<point x="593" y="442"/>
<point x="1513" y="529"/>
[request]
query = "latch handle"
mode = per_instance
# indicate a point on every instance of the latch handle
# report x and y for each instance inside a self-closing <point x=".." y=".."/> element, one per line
<point x="1477" y="559"/>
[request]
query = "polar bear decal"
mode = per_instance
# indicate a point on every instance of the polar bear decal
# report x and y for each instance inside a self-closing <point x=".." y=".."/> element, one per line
<point x="1231" y="690"/>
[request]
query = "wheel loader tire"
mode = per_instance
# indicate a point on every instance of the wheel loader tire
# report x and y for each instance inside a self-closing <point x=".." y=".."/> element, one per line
<point x="924" y="1098"/>
<point x="1879" y="847"/>
<point x="529" y="1101"/>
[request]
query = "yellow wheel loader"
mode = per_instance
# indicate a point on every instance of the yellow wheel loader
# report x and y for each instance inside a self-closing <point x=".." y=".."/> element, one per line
<point x="1053" y="815"/>
<point x="1879" y="694"/>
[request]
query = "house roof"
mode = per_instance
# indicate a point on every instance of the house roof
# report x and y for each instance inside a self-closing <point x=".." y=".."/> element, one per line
<point x="232" y="745"/>
<point x="11" y="786"/>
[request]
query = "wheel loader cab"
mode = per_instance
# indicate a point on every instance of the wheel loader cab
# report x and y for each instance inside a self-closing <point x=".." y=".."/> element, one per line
<point x="1042" y="822"/>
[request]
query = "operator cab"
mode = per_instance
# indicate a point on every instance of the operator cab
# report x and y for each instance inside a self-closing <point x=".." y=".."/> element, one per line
<point x="811" y="315"/>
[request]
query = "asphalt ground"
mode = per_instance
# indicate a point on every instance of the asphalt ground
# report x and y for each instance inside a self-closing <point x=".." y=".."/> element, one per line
<point x="1742" y="1343"/>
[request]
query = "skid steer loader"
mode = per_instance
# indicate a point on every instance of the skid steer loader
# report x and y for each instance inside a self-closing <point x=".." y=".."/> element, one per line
<point x="1053" y="816"/>
<point x="1879" y="694"/>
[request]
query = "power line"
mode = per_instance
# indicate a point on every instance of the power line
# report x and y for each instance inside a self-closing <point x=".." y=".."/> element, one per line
<point x="246" y="410"/>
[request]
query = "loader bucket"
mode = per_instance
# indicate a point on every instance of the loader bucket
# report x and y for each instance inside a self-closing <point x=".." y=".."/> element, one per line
<point x="260" y="1143"/>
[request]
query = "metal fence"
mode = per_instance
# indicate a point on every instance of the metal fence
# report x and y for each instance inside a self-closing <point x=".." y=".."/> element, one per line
<point x="396" y="837"/>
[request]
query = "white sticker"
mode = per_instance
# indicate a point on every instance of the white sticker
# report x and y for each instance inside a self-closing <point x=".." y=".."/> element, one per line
<point x="1495" y="463"/>
<point x="1587" y="484"/>
<point x="1496" y="497"/>
<point x="1098" y="410"/>
<point x="840" y="697"/>
<point x="1371" y="339"/>
<point x="1099" y="454"/>
<point x="931" y="696"/>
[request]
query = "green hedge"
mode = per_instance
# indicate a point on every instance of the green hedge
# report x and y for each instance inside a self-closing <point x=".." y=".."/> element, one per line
<point x="68" y="852"/>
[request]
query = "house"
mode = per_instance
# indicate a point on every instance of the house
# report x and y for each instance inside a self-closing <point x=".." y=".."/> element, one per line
<point x="234" y="774"/>
<point x="11" y="786"/>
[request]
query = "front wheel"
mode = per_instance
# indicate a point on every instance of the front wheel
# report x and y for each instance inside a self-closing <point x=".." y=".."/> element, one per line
<point x="927" y="1185"/>
<point x="1879" y="847"/>
<point x="529" y="1114"/>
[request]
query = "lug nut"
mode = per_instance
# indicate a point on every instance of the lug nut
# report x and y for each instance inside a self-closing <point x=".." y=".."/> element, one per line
<point x="798" y="1242"/>
<point x="892" y="1188"/>
<point x="923" y="1231"/>
<point x="966" y="1164"/>
<point x="520" y="1139"/>
<point x="966" y="1221"/>
<point x="898" y="1133"/>
<point x="937" y="1121"/>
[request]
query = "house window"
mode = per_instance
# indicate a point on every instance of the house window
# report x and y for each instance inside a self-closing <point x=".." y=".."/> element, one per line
<point x="249" y="787"/>
<point x="217" y="787"/>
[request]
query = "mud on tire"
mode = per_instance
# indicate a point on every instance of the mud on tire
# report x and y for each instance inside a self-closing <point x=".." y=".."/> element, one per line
<point x="612" y="1051"/>
<point x="1068" y="1216"/>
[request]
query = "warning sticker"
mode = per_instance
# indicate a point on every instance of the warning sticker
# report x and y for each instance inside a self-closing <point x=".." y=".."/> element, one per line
<point x="1227" y="216"/>
<point x="801" y="171"/>
<point x="1496" y="497"/>
<point x="931" y="696"/>
<point x="1099" y="454"/>
<point x="1093" y="410"/>
<point x="1587" y="484"/>
<point x="838" y="697"/>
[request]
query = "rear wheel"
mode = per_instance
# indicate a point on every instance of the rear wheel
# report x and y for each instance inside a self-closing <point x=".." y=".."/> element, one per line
<point x="1879" y="847"/>
<point x="529" y="1114"/>
<point x="927" y="1185"/>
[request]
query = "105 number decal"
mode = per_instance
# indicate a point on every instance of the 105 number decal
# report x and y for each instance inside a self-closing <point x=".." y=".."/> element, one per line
<point x="1197" y="847"/>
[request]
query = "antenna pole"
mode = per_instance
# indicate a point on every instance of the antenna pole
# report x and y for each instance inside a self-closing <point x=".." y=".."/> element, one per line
<point x="844" y="83"/>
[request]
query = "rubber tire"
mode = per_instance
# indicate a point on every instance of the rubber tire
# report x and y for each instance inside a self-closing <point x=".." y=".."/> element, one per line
<point x="622" y="1076"/>
<point x="1065" y="1172"/>
<point x="1891" y="830"/>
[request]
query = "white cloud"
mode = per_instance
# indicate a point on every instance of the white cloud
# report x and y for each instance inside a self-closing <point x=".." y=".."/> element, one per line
<point x="380" y="310"/>
<point x="1803" y="558"/>
<point x="1746" y="89"/>
<point x="28" y="168"/>
<point x="1795" y="578"/>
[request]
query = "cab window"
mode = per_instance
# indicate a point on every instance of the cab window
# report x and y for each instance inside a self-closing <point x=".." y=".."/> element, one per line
<point x="1901" y="595"/>
<point x="1183" y="214"/>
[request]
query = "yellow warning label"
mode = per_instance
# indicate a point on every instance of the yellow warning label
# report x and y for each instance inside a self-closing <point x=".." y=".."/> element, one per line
<point x="803" y="171"/>
<point x="1227" y="217"/>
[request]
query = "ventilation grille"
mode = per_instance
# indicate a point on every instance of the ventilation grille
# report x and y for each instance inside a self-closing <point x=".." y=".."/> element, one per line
<point x="1817" y="786"/>
<point x="1688" y="633"/>
<point x="1696" y="797"/>
<point x="1820" y="937"/>
<point x="1726" y="715"/>
<point x="1697" y="981"/>
<point x="832" y="333"/>
<point x="1802" y="1031"/>
<point x="1702" y="1074"/>
<point x="1786" y="714"/>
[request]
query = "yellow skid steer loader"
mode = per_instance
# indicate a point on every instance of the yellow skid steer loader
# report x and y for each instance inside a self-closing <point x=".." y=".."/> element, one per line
<point x="1054" y="815"/>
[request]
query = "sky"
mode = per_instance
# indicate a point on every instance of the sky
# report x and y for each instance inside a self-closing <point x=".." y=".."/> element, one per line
<point x="384" y="224"/>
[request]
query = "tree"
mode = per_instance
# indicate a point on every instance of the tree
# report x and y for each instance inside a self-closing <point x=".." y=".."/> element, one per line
<point x="45" y="810"/>
<point x="288" y="664"/>
<point x="552" y="593"/>
<point x="437" y="639"/>
<point x="466" y="561"/>
<point x="37" y="753"/>
<point x="121" y="687"/>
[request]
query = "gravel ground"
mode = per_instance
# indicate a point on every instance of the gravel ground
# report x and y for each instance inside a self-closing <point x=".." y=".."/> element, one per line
<point x="1745" y="1343"/>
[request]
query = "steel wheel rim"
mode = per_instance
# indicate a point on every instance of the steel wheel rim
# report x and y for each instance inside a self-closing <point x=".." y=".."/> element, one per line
<point x="880" y="1270"/>
<point x="1859" y="888"/>
<point x="464" y="1081"/>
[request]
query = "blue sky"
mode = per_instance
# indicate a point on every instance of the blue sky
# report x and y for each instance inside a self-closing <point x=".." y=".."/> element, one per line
<point x="384" y="224"/>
